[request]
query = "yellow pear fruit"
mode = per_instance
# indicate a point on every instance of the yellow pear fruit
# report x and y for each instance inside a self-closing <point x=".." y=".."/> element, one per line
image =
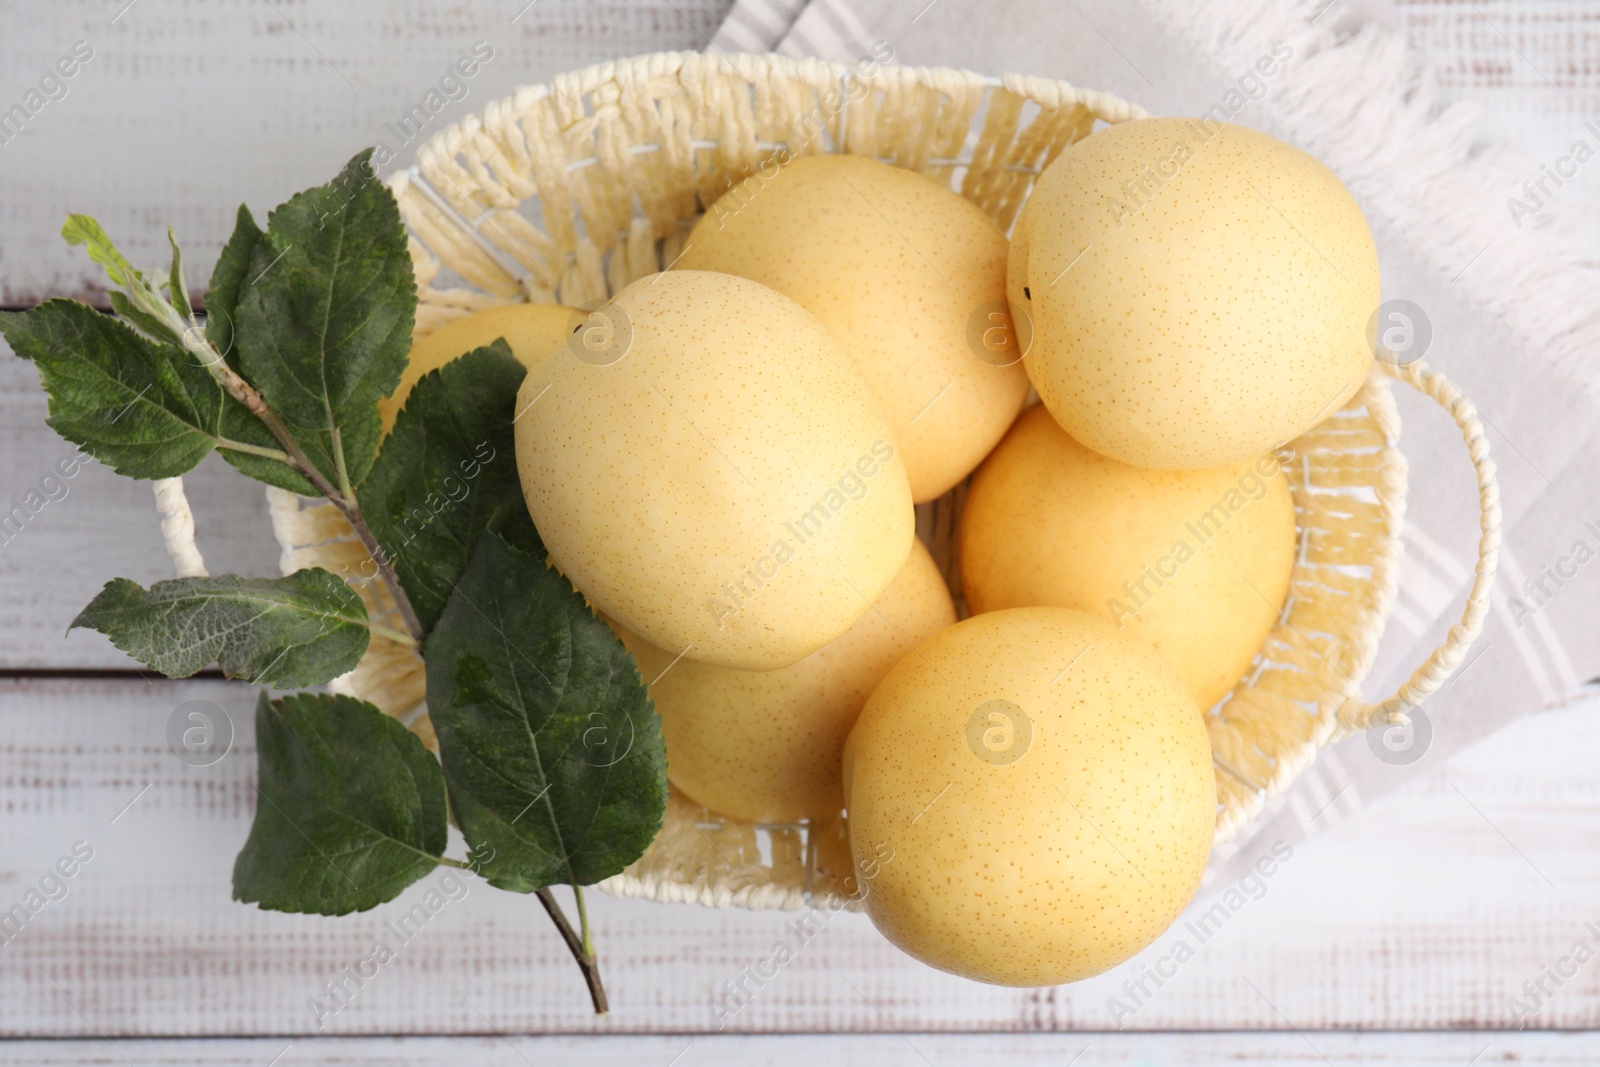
<point x="532" y="331"/>
<point x="765" y="746"/>
<point x="1017" y="293"/>
<point x="705" y="463"/>
<point x="1031" y="798"/>
<point x="1200" y="293"/>
<point x="907" y="274"/>
<point x="1197" y="563"/>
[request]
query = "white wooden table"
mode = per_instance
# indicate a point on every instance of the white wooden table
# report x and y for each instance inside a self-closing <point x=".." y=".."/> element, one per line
<point x="1398" y="936"/>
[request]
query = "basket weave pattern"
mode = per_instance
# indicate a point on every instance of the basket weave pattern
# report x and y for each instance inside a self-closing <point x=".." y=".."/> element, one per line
<point x="570" y="191"/>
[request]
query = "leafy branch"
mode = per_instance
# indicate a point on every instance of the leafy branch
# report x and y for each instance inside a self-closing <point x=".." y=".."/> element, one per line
<point x="173" y="321"/>
<point x="550" y="753"/>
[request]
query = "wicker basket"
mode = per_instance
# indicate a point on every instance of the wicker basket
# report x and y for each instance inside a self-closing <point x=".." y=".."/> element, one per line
<point x="568" y="192"/>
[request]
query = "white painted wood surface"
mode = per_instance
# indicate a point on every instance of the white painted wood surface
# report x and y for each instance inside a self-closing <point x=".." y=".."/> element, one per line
<point x="187" y="109"/>
<point x="1425" y="912"/>
<point x="1380" y="1049"/>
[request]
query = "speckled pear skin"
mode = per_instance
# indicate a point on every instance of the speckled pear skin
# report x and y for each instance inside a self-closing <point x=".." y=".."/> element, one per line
<point x="900" y="269"/>
<point x="1200" y="292"/>
<point x="766" y="746"/>
<point x="720" y="480"/>
<point x="532" y="331"/>
<point x="1018" y="293"/>
<point x="1055" y="866"/>
<point x="1195" y="562"/>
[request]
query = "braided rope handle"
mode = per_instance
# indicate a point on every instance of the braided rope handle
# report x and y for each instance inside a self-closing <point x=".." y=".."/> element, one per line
<point x="177" y="528"/>
<point x="1443" y="660"/>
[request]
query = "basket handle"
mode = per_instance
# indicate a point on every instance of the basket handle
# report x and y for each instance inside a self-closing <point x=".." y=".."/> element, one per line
<point x="177" y="528"/>
<point x="1442" y="661"/>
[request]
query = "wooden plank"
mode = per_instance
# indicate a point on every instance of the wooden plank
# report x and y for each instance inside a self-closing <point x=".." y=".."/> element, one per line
<point x="891" y="1050"/>
<point x="178" y="115"/>
<point x="1427" y="910"/>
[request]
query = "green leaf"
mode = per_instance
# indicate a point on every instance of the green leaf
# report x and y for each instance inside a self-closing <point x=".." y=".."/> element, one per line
<point x="85" y="231"/>
<point x="551" y="748"/>
<point x="229" y="278"/>
<point x="351" y="810"/>
<point x="155" y="329"/>
<point x="177" y="289"/>
<point x="302" y="629"/>
<point x="324" y="327"/>
<point x="228" y="281"/>
<point x="143" y="408"/>
<point x="261" y="468"/>
<point x="447" y="472"/>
